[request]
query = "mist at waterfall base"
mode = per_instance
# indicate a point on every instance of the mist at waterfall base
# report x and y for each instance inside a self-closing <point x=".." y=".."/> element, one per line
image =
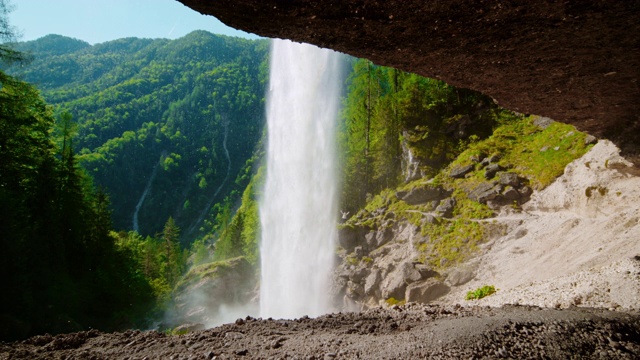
<point x="298" y="211"/>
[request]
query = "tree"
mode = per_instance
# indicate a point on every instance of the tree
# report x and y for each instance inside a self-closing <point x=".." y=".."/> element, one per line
<point x="8" y="36"/>
<point x="174" y="261"/>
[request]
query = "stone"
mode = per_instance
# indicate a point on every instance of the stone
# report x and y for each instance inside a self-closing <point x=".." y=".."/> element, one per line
<point x="590" y="139"/>
<point x="459" y="172"/>
<point x="445" y="209"/>
<point x="425" y="271"/>
<point x="375" y="239"/>
<point x="483" y="193"/>
<point x="358" y="252"/>
<point x="425" y="291"/>
<point x="430" y="219"/>
<point x="494" y="158"/>
<point x="511" y="194"/>
<point x="542" y="122"/>
<point x="525" y="191"/>
<point x="491" y="170"/>
<point x="395" y="283"/>
<point x="476" y="158"/>
<point x="354" y="289"/>
<point x="459" y="277"/>
<point x="509" y="178"/>
<point x="359" y="274"/>
<point x="423" y="195"/>
<point x="350" y="236"/>
<point x="411" y="273"/>
<point x="400" y="194"/>
<point x="372" y="282"/>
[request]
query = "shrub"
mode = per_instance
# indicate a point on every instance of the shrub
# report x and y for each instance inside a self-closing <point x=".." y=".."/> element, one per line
<point x="480" y="292"/>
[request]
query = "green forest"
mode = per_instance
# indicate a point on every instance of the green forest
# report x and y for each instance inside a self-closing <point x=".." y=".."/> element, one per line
<point x="164" y="125"/>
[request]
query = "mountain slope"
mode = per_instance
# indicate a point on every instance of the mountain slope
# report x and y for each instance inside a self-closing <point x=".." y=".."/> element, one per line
<point x="189" y="111"/>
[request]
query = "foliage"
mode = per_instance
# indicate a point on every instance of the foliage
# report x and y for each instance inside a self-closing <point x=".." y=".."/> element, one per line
<point x="480" y="292"/>
<point x="389" y="114"/>
<point x="241" y="236"/>
<point x="393" y="301"/>
<point x="184" y="104"/>
<point x="56" y="247"/>
<point x="439" y="127"/>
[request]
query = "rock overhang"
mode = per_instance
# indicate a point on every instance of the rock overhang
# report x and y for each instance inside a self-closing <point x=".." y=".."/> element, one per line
<point x="575" y="61"/>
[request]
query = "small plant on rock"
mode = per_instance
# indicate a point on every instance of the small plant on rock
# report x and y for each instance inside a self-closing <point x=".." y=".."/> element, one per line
<point x="480" y="292"/>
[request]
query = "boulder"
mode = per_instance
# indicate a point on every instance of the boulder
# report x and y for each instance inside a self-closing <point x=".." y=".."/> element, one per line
<point x="484" y="192"/>
<point x="425" y="271"/>
<point x="590" y="139"/>
<point x="372" y="282"/>
<point x="425" y="291"/>
<point x="459" y="172"/>
<point x="525" y="192"/>
<point x="511" y="194"/>
<point x="459" y="277"/>
<point x="491" y="170"/>
<point x="542" y="122"/>
<point x="445" y="209"/>
<point x="425" y="194"/>
<point x="375" y="239"/>
<point x="350" y="236"/>
<point x="359" y="274"/>
<point x="395" y="283"/>
<point x="509" y="178"/>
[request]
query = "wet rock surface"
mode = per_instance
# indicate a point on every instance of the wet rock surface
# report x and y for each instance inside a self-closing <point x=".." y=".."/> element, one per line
<point x="416" y="331"/>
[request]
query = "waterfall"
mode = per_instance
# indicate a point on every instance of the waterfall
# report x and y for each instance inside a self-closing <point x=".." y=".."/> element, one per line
<point x="298" y="209"/>
<point x="136" y="227"/>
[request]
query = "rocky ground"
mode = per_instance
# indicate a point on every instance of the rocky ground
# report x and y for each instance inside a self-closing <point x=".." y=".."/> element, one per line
<point x="410" y="331"/>
<point x="575" y="243"/>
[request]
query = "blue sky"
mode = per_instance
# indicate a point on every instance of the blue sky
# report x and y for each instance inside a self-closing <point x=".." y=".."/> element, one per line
<point x="97" y="21"/>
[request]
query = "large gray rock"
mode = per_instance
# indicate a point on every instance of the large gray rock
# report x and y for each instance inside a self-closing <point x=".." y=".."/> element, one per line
<point x="484" y="192"/>
<point x="358" y="274"/>
<point x="424" y="194"/>
<point x="542" y="122"/>
<point x="459" y="277"/>
<point x="394" y="285"/>
<point x="375" y="239"/>
<point x="509" y="178"/>
<point x="459" y="172"/>
<point x="511" y="194"/>
<point x="425" y="291"/>
<point x="350" y="236"/>
<point x="445" y="209"/>
<point x="371" y="284"/>
<point x="491" y="170"/>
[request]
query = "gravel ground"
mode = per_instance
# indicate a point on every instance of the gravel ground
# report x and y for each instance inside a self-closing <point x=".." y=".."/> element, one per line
<point x="409" y="332"/>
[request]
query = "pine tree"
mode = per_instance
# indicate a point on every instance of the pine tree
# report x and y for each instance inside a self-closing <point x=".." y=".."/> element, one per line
<point x="174" y="262"/>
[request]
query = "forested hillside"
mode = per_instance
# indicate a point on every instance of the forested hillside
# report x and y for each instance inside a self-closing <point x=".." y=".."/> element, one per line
<point x="164" y="126"/>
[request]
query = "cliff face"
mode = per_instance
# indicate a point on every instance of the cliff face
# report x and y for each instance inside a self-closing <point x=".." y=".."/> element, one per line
<point x="576" y="62"/>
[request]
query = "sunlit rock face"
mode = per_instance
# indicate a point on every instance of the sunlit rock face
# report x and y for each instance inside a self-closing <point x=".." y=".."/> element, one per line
<point x="576" y="62"/>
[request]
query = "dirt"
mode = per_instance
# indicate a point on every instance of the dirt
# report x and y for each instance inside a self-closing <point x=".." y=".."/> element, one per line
<point x="574" y="61"/>
<point x="410" y="331"/>
<point x="574" y="243"/>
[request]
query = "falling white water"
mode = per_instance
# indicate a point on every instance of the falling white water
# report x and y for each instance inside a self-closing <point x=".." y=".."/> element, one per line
<point x="299" y="204"/>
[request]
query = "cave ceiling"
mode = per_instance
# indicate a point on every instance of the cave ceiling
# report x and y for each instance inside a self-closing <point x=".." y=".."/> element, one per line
<point x="574" y="61"/>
